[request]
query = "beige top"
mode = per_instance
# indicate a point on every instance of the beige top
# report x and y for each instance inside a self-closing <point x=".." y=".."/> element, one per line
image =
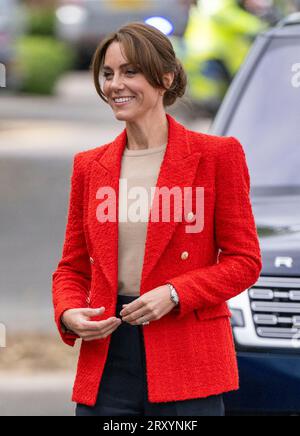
<point x="139" y="172"/>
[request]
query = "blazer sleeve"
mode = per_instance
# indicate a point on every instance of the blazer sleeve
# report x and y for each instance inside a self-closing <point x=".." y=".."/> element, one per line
<point x="72" y="277"/>
<point x="239" y="260"/>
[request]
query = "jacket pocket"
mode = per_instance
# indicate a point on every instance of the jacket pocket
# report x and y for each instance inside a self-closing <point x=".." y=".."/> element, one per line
<point x="213" y="312"/>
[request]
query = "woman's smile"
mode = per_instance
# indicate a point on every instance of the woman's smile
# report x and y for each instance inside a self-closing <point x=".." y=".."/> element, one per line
<point x="122" y="101"/>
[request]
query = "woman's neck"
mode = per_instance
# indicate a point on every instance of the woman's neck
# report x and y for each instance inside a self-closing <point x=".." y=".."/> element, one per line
<point x="149" y="133"/>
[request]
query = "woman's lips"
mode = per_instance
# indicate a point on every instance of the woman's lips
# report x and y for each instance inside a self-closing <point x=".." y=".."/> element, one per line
<point x="123" y="102"/>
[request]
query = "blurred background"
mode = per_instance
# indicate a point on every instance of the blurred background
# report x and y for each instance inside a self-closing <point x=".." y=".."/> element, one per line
<point x="49" y="110"/>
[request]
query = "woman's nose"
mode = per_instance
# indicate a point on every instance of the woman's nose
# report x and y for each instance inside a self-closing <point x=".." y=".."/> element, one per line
<point x="116" y="83"/>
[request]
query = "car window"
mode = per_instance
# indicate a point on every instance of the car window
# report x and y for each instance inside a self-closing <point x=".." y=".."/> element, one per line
<point x="267" y="118"/>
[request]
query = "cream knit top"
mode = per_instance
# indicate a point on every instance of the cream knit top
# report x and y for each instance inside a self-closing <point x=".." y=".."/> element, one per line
<point x="139" y="172"/>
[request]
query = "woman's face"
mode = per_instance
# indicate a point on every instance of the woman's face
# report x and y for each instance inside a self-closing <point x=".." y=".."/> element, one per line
<point x="125" y="81"/>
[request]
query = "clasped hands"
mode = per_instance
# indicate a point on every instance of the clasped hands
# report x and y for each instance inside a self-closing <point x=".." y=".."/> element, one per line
<point x="148" y="307"/>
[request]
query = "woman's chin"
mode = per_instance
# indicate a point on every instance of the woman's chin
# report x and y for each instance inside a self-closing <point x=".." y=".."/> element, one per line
<point x="123" y="116"/>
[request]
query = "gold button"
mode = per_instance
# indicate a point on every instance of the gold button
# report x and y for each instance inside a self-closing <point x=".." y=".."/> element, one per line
<point x="92" y="260"/>
<point x="184" y="255"/>
<point x="190" y="216"/>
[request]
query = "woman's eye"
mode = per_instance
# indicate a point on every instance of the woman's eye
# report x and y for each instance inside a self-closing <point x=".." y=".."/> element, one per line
<point x="108" y="74"/>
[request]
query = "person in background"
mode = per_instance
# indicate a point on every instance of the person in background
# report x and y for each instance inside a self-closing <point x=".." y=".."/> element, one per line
<point x="215" y="43"/>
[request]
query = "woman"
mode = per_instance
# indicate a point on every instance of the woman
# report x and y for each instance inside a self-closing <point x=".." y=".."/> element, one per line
<point x="148" y="296"/>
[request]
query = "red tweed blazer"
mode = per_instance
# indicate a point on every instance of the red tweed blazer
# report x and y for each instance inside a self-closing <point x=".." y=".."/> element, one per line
<point x="190" y="352"/>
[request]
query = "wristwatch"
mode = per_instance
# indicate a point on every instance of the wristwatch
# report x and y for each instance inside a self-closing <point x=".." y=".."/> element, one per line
<point x="173" y="294"/>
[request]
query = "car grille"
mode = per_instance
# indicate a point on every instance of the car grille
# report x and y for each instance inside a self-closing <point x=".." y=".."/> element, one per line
<point x="275" y="308"/>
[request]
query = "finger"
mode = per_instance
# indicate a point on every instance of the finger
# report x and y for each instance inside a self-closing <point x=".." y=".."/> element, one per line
<point x="139" y="321"/>
<point x="133" y="306"/>
<point x="103" y="334"/>
<point x="92" y="311"/>
<point x="90" y="333"/>
<point x="135" y="316"/>
<point x="97" y="325"/>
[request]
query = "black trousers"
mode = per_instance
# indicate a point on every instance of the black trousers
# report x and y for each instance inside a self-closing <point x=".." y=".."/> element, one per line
<point x="123" y="387"/>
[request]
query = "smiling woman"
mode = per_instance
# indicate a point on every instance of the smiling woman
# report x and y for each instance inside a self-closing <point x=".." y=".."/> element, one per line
<point x="160" y="343"/>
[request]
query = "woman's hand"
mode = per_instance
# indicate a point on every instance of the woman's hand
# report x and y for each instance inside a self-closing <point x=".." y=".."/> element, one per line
<point x="150" y="306"/>
<point x="78" y="321"/>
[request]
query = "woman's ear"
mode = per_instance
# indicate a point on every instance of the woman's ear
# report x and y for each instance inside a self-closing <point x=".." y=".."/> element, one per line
<point x="168" y="79"/>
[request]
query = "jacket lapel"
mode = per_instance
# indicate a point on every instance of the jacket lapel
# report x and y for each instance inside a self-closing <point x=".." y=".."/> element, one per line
<point x="178" y="168"/>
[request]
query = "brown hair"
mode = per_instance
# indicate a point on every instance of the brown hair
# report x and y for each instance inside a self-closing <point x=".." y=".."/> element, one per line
<point x="151" y="51"/>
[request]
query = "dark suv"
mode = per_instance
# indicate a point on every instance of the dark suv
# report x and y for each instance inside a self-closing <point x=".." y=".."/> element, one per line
<point x="262" y="109"/>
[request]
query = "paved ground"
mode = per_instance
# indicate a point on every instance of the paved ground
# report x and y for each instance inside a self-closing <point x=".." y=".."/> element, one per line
<point x="43" y="394"/>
